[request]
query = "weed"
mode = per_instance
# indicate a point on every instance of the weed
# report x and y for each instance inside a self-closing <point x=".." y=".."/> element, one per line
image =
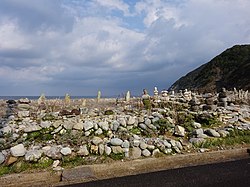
<point x="118" y="156"/>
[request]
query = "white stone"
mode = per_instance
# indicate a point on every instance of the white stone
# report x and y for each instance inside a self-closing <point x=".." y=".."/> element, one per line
<point x="78" y="126"/>
<point x="88" y="125"/>
<point x="104" y="125"/>
<point x="107" y="150"/>
<point x="2" y="158"/>
<point x="66" y="151"/>
<point x="179" y="131"/>
<point x="33" y="155"/>
<point x="136" y="152"/>
<point x="116" y="141"/>
<point x="131" y="120"/>
<point x="83" y="151"/>
<point x="18" y="150"/>
<point x="146" y="153"/>
<point x="96" y="140"/>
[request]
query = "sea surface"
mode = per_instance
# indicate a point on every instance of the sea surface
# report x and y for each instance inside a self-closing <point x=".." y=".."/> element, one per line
<point x="47" y="97"/>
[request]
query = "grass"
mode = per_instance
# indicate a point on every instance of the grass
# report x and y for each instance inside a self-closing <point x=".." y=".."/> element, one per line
<point x="118" y="156"/>
<point x="22" y="165"/>
<point x="72" y="161"/>
<point x="236" y="137"/>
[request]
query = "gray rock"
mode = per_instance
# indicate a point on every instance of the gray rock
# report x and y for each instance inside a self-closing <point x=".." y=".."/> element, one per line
<point x="212" y="132"/>
<point x="22" y="114"/>
<point x="96" y="140"/>
<point x="83" y="150"/>
<point x="116" y="141"/>
<point x="167" y="144"/>
<point x="78" y="126"/>
<point x="66" y="151"/>
<point x="32" y="128"/>
<point x="125" y="144"/>
<point x="167" y="151"/>
<point x="196" y="140"/>
<point x="98" y="131"/>
<point x="179" y="131"/>
<point x="196" y="125"/>
<point x="104" y="125"/>
<point x="107" y="150"/>
<point x="131" y="120"/>
<point x="57" y="123"/>
<point x="143" y="126"/>
<point x="178" y="144"/>
<point x="198" y="131"/>
<point x="45" y="124"/>
<point x="117" y="149"/>
<point x="101" y="149"/>
<point x="147" y="122"/>
<point x="122" y="122"/>
<point x="150" y="147"/>
<point x="115" y="125"/>
<point x="2" y="158"/>
<point x="88" y="125"/>
<point x="156" y="152"/>
<point x="54" y="152"/>
<point x="201" y="136"/>
<point x="223" y="133"/>
<point x="68" y="125"/>
<point x="146" y="153"/>
<point x="136" y="143"/>
<point x="143" y="145"/>
<point x="18" y="150"/>
<point x="136" y="153"/>
<point x="6" y="130"/>
<point x="33" y="155"/>
<point x="155" y="119"/>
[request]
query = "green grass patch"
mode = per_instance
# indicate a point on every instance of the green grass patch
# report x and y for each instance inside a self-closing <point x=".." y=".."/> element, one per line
<point x="118" y="156"/>
<point x="72" y="161"/>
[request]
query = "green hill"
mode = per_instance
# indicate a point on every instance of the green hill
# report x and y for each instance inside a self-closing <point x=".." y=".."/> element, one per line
<point x="229" y="69"/>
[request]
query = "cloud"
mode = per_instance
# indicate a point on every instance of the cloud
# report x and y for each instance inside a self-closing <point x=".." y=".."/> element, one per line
<point x="80" y="47"/>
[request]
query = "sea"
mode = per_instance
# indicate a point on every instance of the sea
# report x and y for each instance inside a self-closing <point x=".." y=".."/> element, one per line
<point x="47" y="97"/>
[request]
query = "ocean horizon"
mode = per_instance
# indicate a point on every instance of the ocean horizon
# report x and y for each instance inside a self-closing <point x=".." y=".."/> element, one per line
<point x="50" y="97"/>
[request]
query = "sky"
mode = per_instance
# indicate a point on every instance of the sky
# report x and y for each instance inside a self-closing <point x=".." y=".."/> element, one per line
<point x="82" y="46"/>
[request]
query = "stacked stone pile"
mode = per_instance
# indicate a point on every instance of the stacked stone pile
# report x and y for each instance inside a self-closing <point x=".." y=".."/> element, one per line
<point x="85" y="131"/>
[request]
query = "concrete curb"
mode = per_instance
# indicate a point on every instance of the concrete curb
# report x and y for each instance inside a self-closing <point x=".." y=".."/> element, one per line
<point x="118" y="169"/>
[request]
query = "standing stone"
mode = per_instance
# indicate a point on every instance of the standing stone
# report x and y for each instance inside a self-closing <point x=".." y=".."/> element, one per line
<point x="67" y="99"/>
<point x="98" y="96"/>
<point x="156" y="93"/>
<point x="18" y="150"/>
<point x="127" y="98"/>
<point x="41" y="100"/>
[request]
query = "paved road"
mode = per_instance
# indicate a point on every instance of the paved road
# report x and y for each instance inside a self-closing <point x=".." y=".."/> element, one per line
<point x="234" y="173"/>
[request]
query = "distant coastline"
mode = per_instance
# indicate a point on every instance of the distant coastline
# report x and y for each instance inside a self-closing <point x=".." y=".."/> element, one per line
<point x="48" y="97"/>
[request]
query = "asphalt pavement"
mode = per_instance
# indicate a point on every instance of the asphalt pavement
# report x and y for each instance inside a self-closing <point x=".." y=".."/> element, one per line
<point x="233" y="173"/>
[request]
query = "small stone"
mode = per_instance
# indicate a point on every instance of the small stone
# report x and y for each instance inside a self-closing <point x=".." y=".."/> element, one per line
<point x="179" y="131"/>
<point x="94" y="149"/>
<point x="107" y="150"/>
<point x="117" y="149"/>
<point x="131" y="120"/>
<point x="10" y="160"/>
<point x="196" y="125"/>
<point x="104" y="125"/>
<point x="223" y="133"/>
<point x="32" y="128"/>
<point x="88" y="125"/>
<point x="146" y="153"/>
<point x="143" y="126"/>
<point x="101" y="149"/>
<point x="122" y="122"/>
<point x="116" y="141"/>
<point x="55" y="163"/>
<point x="156" y="152"/>
<point x="125" y="144"/>
<point x="54" y="152"/>
<point x="96" y="140"/>
<point x="33" y="155"/>
<point x="2" y="158"/>
<point x="78" y="126"/>
<point x="212" y="132"/>
<point x="66" y="151"/>
<point x="136" y="152"/>
<point x="143" y="145"/>
<point x="167" y="144"/>
<point x="83" y="151"/>
<point x="98" y="131"/>
<point x="196" y="140"/>
<point x="58" y="123"/>
<point x="18" y="150"/>
<point x="68" y="125"/>
<point x="115" y="125"/>
<point x="147" y="122"/>
<point x="198" y="131"/>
